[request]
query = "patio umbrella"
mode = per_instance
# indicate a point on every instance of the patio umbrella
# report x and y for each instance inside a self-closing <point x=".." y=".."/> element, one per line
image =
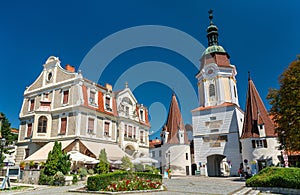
<point x="144" y="160"/>
<point x="79" y="157"/>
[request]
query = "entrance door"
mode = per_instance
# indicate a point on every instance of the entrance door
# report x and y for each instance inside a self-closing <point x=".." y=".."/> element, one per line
<point x="187" y="170"/>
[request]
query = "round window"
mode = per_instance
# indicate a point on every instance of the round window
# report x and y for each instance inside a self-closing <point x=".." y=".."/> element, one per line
<point x="49" y="76"/>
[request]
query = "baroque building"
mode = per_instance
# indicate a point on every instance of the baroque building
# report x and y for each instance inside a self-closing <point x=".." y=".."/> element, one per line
<point x="217" y="122"/>
<point x="84" y="116"/>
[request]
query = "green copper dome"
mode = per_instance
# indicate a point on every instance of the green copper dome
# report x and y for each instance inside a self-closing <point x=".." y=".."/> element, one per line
<point x="213" y="49"/>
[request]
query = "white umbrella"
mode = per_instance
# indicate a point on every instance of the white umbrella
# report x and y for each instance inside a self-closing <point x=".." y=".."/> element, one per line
<point x="144" y="160"/>
<point x="79" y="157"/>
<point x="117" y="162"/>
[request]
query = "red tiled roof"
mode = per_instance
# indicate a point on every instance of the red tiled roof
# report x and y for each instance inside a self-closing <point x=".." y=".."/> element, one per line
<point x="255" y="115"/>
<point x="175" y="123"/>
<point x="225" y="104"/>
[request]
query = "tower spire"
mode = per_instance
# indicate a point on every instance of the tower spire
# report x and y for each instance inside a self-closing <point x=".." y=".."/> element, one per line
<point x="212" y="31"/>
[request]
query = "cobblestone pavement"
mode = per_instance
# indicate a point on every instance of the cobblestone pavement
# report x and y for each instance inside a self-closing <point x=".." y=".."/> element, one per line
<point x="175" y="186"/>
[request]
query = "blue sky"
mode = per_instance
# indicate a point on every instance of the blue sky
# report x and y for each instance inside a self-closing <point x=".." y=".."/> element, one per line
<point x="260" y="36"/>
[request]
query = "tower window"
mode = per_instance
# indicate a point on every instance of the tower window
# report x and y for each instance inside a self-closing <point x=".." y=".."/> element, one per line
<point x="212" y="91"/>
<point x="234" y="91"/>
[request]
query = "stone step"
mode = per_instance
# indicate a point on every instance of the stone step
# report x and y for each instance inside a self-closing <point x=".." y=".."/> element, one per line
<point x="243" y="191"/>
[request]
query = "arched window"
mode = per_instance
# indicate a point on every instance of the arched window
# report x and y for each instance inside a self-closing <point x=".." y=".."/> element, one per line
<point x="212" y="91"/>
<point x="42" y="125"/>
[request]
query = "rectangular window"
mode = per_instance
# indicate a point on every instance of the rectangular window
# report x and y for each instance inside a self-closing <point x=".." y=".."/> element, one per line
<point x="186" y="156"/>
<point x="153" y="154"/>
<point x="106" y="128"/>
<point x="65" y="97"/>
<point x="261" y="126"/>
<point x="134" y="132"/>
<point x="130" y="131"/>
<point x="92" y="97"/>
<point x="91" y="125"/>
<point x="212" y="118"/>
<point x="259" y="143"/>
<point x="29" y="130"/>
<point x="253" y="144"/>
<point x="31" y="107"/>
<point x="125" y="131"/>
<point x="142" y="115"/>
<point x="127" y="111"/>
<point x="265" y="143"/>
<point x="63" y="125"/>
<point x="142" y="136"/>
<point x="107" y="102"/>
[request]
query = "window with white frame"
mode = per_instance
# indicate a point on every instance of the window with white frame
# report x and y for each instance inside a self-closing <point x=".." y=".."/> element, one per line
<point x="42" y="124"/>
<point x="153" y="154"/>
<point x="92" y="97"/>
<point x="142" y="137"/>
<point x="262" y="143"/>
<point x="29" y="130"/>
<point x="159" y="153"/>
<point x="31" y="105"/>
<point x="63" y="125"/>
<point x="142" y="115"/>
<point x="130" y="131"/>
<point x="107" y="103"/>
<point x="91" y="122"/>
<point x="134" y="132"/>
<point x="65" y="97"/>
<point x="125" y="131"/>
<point x="106" y="129"/>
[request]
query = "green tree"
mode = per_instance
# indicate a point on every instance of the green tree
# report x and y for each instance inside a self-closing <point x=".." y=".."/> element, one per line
<point x="126" y="163"/>
<point x="57" y="161"/>
<point x="8" y="135"/>
<point x="103" y="165"/>
<point x="285" y="108"/>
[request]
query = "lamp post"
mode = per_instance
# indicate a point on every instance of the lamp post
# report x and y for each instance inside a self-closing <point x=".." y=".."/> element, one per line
<point x="169" y="155"/>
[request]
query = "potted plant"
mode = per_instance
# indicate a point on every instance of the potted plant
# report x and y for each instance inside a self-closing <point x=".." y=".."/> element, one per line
<point x="31" y="164"/>
<point x="22" y="165"/>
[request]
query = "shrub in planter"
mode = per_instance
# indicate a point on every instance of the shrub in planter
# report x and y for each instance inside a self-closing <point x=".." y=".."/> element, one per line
<point x="59" y="179"/>
<point x="75" y="179"/>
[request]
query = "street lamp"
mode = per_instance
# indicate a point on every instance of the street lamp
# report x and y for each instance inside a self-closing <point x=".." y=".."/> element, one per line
<point x="169" y="155"/>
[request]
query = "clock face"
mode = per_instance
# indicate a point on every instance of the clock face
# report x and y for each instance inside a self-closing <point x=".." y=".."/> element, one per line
<point x="210" y="71"/>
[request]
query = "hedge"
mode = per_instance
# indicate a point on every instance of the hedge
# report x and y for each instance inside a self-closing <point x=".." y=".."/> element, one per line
<point x="100" y="182"/>
<point x="276" y="177"/>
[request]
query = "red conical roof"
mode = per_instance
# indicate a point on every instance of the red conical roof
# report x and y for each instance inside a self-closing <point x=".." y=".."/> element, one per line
<point x="175" y="123"/>
<point x="256" y="114"/>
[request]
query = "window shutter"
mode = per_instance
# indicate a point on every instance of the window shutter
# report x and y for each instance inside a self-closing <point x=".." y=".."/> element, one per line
<point x="265" y="143"/>
<point x="142" y="137"/>
<point x="125" y="130"/>
<point x="63" y="125"/>
<point x="66" y="97"/>
<point x="130" y="131"/>
<point x="253" y="144"/>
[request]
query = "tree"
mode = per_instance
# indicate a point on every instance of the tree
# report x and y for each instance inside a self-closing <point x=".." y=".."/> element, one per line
<point x="286" y="107"/>
<point x="103" y="165"/>
<point x="8" y="135"/>
<point x="57" y="161"/>
<point x="126" y="163"/>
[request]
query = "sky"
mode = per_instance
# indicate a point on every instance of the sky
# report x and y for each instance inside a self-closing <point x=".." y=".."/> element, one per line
<point x="151" y="44"/>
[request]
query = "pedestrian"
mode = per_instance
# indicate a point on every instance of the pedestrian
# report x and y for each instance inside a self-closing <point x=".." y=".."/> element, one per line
<point x="240" y="172"/>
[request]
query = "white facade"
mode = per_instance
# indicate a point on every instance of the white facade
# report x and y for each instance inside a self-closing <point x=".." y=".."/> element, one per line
<point x="216" y="139"/>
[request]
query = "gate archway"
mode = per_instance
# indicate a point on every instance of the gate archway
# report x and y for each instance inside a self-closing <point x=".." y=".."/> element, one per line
<point x="214" y="165"/>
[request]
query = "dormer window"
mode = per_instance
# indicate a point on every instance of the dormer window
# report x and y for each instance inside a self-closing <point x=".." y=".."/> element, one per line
<point x="108" y="103"/>
<point x="92" y="98"/>
<point x="142" y="117"/>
